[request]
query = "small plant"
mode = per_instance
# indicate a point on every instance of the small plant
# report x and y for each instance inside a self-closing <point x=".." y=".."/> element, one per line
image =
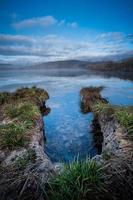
<point x="78" y="180"/>
<point x="12" y="135"/>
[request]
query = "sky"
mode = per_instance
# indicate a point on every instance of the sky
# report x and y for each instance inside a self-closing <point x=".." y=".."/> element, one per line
<point x="48" y="30"/>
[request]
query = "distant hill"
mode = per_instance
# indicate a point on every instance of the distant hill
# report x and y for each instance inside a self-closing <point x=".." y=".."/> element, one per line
<point x="122" y="69"/>
<point x="59" y="64"/>
<point x="124" y="65"/>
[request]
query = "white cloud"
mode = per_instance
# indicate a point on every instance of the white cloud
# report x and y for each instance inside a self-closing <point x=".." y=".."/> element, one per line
<point x="72" y="25"/>
<point x="38" y="21"/>
<point x="111" y="37"/>
<point x="7" y="38"/>
<point x="54" y="47"/>
<point x="44" y="21"/>
<point x="62" y="22"/>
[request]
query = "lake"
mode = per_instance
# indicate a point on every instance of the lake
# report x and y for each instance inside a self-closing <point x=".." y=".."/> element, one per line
<point x="68" y="131"/>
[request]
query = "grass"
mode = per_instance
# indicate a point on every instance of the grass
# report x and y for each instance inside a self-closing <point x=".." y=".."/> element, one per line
<point x="15" y="184"/>
<point x="23" y="116"/>
<point x="78" y="181"/>
<point x="90" y="95"/>
<point x="91" y="90"/>
<point x="125" y="118"/>
<point x="23" y="111"/>
<point x="124" y="115"/>
<point x="34" y="94"/>
<point x="100" y="107"/>
<point x="13" y="135"/>
<point x="4" y="96"/>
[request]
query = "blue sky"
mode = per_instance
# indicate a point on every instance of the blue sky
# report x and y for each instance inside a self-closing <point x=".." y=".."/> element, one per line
<point x="45" y="30"/>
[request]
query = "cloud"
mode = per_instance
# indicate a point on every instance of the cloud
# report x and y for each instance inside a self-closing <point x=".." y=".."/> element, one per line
<point x="44" y="21"/>
<point x="16" y="39"/>
<point x="72" y="25"/>
<point x="111" y="37"/>
<point x="62" y="22"/>
<point x="53" y="47"/>
<point x="38" y="21"/>
<point x="130" y="37"/>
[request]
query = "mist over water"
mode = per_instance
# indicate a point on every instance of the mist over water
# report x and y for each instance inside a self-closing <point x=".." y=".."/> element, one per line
<point x="68" y="131"/>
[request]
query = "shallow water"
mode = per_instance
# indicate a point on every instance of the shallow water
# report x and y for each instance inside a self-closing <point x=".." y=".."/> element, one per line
<point x="68" y="131"/>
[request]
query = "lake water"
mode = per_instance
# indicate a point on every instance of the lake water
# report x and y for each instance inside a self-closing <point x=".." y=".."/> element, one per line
<point x="68" y="131"/>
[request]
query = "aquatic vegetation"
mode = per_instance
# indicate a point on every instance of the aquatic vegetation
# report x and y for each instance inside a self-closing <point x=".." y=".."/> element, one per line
<point x="78" y="180"/>
<point x="13" y="135"/>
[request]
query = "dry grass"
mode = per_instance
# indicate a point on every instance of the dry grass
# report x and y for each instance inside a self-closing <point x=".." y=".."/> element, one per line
<point x="89" y="96"/>
<point x="33" y="94"/>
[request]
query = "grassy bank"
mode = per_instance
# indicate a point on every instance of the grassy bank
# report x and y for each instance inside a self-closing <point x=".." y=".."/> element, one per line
<point x="92" y="101"/>
<point x="123" y="114"/>
<point x="21" y="135"/>
<point x="20" y="111"/>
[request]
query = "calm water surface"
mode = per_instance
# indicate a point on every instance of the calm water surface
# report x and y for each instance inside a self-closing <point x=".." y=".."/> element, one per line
<point x="68" y="131"/>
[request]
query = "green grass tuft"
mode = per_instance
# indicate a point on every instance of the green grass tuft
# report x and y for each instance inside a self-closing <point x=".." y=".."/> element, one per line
<point x="25" y="111"/>
<point x="13" y="135"/>
<point x="100" y="107"/>
<point x="78" y="180"/>
<point x="125" y="118"/>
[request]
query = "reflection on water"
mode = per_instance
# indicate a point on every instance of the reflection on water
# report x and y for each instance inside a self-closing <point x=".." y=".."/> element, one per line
<point x="67" y="129"/>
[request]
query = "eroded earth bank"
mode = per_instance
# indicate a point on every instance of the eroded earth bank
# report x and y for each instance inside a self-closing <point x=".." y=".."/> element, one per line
<point x="26" y="172"/>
